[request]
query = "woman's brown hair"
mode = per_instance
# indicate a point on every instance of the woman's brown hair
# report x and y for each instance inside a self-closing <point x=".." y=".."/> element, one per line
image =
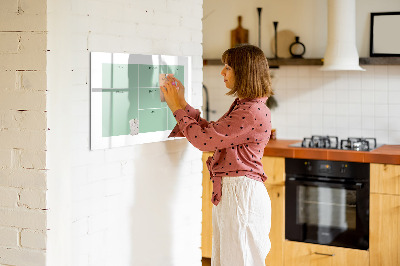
<point x="250" y="66"/>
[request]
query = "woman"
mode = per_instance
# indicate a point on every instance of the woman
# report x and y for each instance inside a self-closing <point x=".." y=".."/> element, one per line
<point x="242" y="208"/>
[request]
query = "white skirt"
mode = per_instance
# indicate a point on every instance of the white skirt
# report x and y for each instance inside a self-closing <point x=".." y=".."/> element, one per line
<point x="241" y="223"/>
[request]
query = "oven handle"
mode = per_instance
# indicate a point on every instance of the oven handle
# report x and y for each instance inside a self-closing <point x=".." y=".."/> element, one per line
<point x="324" y="254"/>
<point x="357" y="185"/>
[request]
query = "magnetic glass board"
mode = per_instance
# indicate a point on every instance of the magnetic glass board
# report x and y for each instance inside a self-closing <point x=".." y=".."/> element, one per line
<point x="127" y="106"/>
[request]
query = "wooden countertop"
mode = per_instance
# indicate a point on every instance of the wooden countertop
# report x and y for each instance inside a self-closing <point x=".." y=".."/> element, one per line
<point x="389" y="154"/>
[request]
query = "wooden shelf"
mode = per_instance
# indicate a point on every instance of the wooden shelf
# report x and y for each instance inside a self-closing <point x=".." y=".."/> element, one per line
<point x="274" y="63"/>
<point x="380" y="61"/>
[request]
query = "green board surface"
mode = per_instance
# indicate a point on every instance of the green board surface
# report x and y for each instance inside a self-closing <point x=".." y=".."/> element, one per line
<point x="131" y="91"/>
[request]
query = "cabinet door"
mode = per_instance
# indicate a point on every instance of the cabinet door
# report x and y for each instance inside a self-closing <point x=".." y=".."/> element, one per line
<point x="274" y="168"/>
<point x="206" y="226"/>
<point x="384" y="230"/>
<point x="304" y="254"/>
<point x="277" y="233"/>
<point x="385" y="178"/>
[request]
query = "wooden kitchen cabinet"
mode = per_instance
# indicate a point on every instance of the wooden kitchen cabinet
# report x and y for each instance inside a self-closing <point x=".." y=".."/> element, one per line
<point x="305" y="254"/>
<point x="206" y="225"/>
<point x="274" y="168"/>
<point x="385" y="215"/>
<point x="385" y="178"/>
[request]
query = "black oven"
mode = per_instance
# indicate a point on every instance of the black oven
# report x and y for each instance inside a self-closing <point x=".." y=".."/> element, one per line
<point x="327" y="202"/>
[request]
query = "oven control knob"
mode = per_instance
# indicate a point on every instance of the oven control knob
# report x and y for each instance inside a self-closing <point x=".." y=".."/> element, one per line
<point x="343" y="168"/>
<point x="308" y="166"/>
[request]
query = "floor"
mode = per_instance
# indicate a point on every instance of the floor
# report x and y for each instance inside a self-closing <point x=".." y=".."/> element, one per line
<point x="206" y="261"/>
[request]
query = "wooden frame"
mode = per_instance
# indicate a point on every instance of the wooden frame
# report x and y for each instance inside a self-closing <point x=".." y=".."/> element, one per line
<point x="384" y="37"/>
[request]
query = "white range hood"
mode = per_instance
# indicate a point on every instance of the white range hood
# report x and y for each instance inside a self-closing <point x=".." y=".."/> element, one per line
<point x="341" y="51"/>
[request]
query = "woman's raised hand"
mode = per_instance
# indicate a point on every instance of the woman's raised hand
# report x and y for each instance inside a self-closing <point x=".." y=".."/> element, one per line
<point x="174" y="94"/>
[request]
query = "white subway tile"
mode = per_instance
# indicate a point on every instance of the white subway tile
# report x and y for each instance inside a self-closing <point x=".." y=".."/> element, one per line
<point x="380" y="84"/>
<point x="394" y="123"/>
<point x="381" y="110"/>
<point x="394" y="137"/>
<point x="394" y="97"/>
<point x="367" y="96"/>
<point x="367" y="110"/>
<point x="394" y="110"/>
<point x="382" y="136"/>
<point x="381" y="97"/>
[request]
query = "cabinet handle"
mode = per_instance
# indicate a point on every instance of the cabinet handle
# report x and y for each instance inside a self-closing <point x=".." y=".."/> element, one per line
<point x="324" y="254"/>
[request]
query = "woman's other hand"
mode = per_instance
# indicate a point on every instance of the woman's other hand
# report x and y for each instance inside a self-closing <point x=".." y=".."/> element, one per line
<point x="172" y="94"/>
<point x="181" y="91"/>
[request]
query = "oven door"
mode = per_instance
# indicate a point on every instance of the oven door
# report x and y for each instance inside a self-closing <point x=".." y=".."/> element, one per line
<point x="327" y="213"/>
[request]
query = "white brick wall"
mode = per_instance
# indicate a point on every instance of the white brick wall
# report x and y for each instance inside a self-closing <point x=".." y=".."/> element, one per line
<point x="23" y="132"/>
<point x="138" y="205"/>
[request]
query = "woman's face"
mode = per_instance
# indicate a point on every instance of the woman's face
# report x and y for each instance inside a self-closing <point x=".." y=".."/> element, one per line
<point x="229" y="76"/>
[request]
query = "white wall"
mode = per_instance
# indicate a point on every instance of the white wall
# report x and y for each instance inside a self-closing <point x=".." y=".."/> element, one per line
<point x="138" y="205"/>
<point x="311" y="102"/>
<point x="306" y="19"/>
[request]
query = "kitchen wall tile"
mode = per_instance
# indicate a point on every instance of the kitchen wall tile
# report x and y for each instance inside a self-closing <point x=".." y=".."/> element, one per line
<point x="291" y="71"/>
<point x="381" y="136"/>
<point x="342" y="122"/>
<point x="355" y="132"/>
<point x="394" y="97"/>
<point x="394" y="137"/>
<point x="367" y="110"/>
<point x="381" y="97"/>
<point x="292" y="82"/>
<point x="329" y="93"/>
<point x="367" y="82"/>
<point x="317" y="131"/>
<point x="328" y="74"/>
<point x="393" y="71"/>
<point x="394" y="123"/>
<point x="394" y="110"/>
<point x="315" y="72"/>
<point x="381" y="84"/>
<point x="367" y="133"/>
<point x="342" y="80"/>
<point x="317" y="108"/>
<point x="304" y="72"/>
<point x="382" y="110"/>
<point x="394" y="82"/>
<point x="329" y="123"/>
<point x="317" y="95"/>
<point x="355" y="109"/>
<point x="303" y="82"/>
<point x="316" y="82"/>
<point x="329" y="109"/>
<point x="367" y="96"/>
<point x="355" y="96"/>
<point x="327" y="101"/>
<point x="380" y="71"/>
<point x="342" y="96"/>
<point x="342" y="133"/>
<point x="355" y="122"/>
<point x="368" y="122"/>
<point x="342" y="109"/>
<point x="381" y="123"/>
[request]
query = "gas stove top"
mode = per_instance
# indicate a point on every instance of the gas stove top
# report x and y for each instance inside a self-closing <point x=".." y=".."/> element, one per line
<point x="332" y="142"/>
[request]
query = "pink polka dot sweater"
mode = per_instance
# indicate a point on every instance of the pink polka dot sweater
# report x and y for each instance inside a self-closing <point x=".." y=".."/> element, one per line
<point x="238" y="139"/>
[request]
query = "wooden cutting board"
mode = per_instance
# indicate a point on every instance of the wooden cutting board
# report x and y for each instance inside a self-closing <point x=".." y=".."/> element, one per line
<point x="239" y="35"/>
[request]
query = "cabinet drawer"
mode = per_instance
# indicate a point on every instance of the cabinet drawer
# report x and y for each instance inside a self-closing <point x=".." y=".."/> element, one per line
<point x="304" y="254"/>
